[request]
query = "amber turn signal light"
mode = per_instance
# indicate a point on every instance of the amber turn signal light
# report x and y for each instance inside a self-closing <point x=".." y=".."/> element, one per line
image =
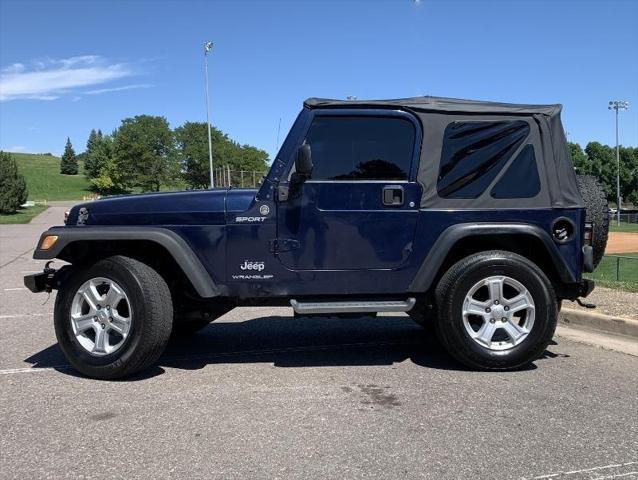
<point x="48" y="242"/>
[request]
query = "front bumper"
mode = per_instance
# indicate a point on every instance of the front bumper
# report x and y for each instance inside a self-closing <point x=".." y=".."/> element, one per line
<point x="48" y="280"/>
<point x="37" y="282"/>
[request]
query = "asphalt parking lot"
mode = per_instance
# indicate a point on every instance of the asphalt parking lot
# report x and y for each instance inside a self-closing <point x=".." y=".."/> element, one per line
<point x="260" y="394"/>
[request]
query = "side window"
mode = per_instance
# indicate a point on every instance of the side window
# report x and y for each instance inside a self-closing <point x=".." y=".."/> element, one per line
<point x="361" y="148"/>
<point x="521" y="179"/>
<point x="473" y="153"/>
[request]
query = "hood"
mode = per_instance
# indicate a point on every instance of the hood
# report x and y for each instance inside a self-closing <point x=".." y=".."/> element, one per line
<point x="194" y="207"/>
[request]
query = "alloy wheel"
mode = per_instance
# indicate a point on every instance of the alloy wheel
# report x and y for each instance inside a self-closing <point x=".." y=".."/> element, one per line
<point x="498" y="312"/>
<point x="101" y="316"/>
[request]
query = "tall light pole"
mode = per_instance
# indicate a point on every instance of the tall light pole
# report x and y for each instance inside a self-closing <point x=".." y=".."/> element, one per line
<point x="618" y="105"/>
<point x="208" y="46"/>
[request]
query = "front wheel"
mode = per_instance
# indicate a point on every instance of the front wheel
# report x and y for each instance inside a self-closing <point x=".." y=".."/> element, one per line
<point x="113" y="319"/>
<point x="497" y="311"/>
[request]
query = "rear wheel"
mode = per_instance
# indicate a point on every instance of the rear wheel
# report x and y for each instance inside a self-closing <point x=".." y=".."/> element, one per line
<point x="113" y="319"/>
<point x="496" y="311"/>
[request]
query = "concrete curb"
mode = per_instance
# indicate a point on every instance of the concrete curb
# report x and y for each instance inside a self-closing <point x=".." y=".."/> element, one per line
<point x="598" y="322"/>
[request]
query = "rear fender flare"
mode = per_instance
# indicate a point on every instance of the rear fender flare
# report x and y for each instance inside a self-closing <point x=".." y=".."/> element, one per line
<point x="430" y="267"/>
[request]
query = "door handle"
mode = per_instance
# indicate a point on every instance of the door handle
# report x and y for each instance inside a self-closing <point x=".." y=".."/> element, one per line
<point x="392" y="195"/>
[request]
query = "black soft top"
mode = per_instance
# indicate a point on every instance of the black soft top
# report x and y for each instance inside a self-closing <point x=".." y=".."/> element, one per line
<point x="440" y="104"/>
<point x="558" y="178"/>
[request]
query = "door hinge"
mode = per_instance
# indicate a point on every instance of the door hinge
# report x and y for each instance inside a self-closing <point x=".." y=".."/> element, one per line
<point x="283" y="191"/>
<point x="283" y="245"/>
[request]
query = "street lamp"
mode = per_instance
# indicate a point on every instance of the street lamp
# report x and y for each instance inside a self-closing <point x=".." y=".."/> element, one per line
<point x="618" y="105"/>
<point x="208" y="46"/>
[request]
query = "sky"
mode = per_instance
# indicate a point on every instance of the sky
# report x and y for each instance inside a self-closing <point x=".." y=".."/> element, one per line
<point x="68" y="67"/>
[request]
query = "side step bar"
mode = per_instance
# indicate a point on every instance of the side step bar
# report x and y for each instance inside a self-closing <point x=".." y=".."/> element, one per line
<point x="353" y="307"/>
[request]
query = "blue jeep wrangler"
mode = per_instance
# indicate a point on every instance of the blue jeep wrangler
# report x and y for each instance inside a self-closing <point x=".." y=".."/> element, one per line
<point x="467" y="215"/>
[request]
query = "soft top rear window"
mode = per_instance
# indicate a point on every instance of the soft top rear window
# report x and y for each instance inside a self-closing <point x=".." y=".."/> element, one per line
<point x="473" y="153"/>
<point x="521" y="179"/>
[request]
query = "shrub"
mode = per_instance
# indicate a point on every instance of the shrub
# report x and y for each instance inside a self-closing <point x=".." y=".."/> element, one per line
<point x="13" y="187"/>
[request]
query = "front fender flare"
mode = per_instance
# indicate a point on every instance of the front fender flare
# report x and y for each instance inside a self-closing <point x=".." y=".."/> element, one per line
<point x="429" y="269"/>
<point x="181" y="252"/>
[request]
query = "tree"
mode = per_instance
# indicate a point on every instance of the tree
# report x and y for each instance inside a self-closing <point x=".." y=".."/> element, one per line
<point x="251" y="158"/>
<point x="144" y="152"/>
<point x="629" y="174"/>
<point x="109" y="178"/>
<point x="192" y="143"/>
<point x="13" y="187"/>
<point x="601" y="161"/>
<point x="579" y="159"/>
<point x="99" y="151"/>
<point x="90" y="168"/>
<point x="69" y="163"/>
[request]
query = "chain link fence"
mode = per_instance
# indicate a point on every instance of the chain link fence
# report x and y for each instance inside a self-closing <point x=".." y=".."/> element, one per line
<point x="225" y="177"/>
<point x="617" y="268"/>
<point x="628" y="222"/>
<point x="627" y="217"/>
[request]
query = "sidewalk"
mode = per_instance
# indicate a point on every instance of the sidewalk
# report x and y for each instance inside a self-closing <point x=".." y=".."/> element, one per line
<point x="612" y="325"/>
<point x="13" y="237"/>
<point x="616" y="303"/>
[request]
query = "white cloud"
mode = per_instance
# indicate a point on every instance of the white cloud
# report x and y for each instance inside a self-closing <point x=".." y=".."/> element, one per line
<point x="14" y="68"/>
<point x="51" y="78"/>
<point x="16" y="148"/>
<point x="79" y="60"/>
<point x="100" y="91"/>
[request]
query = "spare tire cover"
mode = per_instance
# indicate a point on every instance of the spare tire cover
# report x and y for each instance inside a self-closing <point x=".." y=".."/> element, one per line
<point x="597" y="213"/>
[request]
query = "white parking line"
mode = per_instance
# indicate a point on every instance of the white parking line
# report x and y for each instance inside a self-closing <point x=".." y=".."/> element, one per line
<point x="14" y="289"/>
<point x="23" y="315"/>
<point x="617" y="476"/>
<point x="573" y="472"/>
<point x="13" y="371"/>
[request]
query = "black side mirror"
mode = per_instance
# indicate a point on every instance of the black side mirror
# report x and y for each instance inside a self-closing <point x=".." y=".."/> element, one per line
<point x="303" y="163"/>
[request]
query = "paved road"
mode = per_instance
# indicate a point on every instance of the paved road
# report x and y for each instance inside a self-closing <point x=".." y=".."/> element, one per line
<point x="259" y="394"/>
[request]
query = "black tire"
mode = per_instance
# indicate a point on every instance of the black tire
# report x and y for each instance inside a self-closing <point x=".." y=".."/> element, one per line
<point x="184" y="326"/>
<point x="596" y="213"/>
<point x="151" y="319"/>
<point x="458" y="281"/>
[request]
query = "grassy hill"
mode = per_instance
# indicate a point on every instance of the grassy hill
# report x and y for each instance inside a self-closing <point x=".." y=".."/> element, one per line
<point x="44" y="181"/>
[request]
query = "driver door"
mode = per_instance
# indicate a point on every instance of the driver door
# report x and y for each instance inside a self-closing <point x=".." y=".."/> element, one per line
<point x="358" y="208"/>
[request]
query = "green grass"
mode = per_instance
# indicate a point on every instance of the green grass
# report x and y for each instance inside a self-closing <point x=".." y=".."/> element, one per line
<point x="623" y="227"/>
<point x="612" y="268"/>
<point x="23" y="215"/>
<point x="44" y="181"/>
<point x="626" y="286"/>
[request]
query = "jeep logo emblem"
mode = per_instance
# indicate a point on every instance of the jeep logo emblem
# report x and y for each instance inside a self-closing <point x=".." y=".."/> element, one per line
<point x="264" y="209"/>
<point x="259" y="266"/>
